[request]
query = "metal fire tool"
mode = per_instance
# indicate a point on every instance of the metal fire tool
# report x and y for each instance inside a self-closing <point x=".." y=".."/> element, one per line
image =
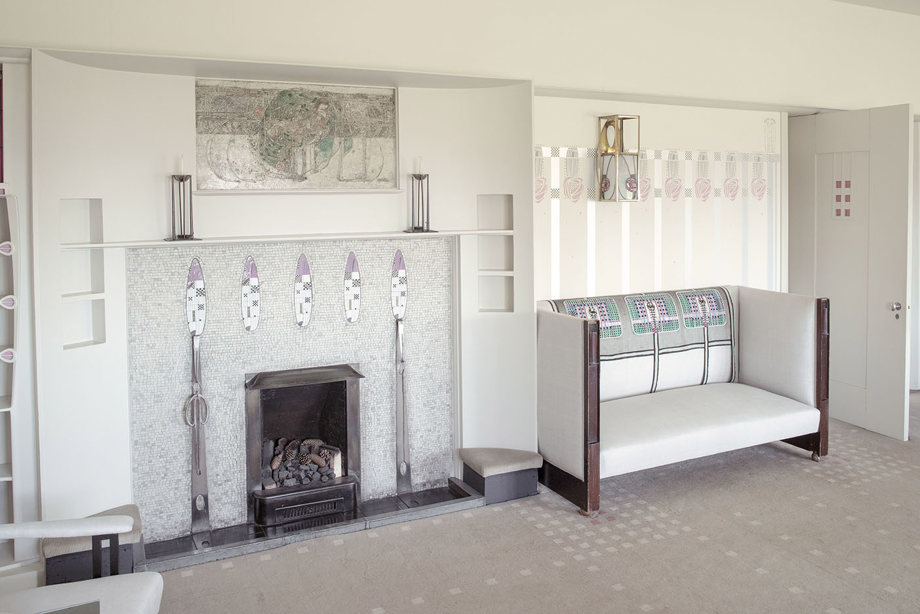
<point x="398" y="297"/>
<point x="195" y="410"/>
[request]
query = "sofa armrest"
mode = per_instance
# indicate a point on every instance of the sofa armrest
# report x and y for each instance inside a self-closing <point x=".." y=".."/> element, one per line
<point x="777" y="346"/>
<point x="567" y="390"/>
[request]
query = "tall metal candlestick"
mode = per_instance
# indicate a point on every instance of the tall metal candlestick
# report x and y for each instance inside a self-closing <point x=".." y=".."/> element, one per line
<point x="182" y="226"/>
<point x="421" y="221"/>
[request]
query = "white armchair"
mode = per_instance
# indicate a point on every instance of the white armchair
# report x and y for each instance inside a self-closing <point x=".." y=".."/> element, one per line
<point x="136" y="593"/>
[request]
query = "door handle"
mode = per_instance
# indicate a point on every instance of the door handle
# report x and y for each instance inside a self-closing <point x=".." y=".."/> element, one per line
<point x="895" y="306"/>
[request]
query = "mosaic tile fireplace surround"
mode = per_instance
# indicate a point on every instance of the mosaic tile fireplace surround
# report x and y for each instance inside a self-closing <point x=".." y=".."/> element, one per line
<point x="159" y="355"/>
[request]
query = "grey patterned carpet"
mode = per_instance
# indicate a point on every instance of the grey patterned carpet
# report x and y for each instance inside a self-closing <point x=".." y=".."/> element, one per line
<point x="757" y="530"/>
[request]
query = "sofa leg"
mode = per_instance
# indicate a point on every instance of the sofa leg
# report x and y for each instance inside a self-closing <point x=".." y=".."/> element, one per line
<point x="815" y="457"/>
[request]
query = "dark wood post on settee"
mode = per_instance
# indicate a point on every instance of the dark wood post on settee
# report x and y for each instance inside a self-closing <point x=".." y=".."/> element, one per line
<point x="816" y="443"/>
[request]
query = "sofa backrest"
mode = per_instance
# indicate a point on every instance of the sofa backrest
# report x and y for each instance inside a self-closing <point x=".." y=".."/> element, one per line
<point x="660" y="340"/>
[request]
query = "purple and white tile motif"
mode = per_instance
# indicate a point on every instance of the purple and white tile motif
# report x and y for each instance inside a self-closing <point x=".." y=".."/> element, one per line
<point x="195" y="299"/>
<point x="250" y="295"/>
<point x="399" y="286"/>
<point x="352" y="289"/>
<point x="303" y="292"/>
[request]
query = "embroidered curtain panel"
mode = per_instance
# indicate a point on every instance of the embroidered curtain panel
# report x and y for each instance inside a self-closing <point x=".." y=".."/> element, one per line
<point x="702" y="218"/>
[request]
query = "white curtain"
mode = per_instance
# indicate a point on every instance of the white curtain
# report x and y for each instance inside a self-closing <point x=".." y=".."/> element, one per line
<point x="703" y="218"/>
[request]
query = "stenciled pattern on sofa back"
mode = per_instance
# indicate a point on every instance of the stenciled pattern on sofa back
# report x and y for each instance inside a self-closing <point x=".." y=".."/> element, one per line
<point x="660" y="340"/>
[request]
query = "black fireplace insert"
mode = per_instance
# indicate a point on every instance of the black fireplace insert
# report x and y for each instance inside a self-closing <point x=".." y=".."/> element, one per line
<point x="303" y="443"/>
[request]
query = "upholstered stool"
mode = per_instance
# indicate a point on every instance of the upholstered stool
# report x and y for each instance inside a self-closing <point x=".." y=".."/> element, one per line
<point x="70" y="559"/>
<point x="501" y="474"/>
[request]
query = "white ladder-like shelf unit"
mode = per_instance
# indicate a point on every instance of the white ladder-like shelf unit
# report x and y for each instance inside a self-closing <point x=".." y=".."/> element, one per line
<point x="9" y="276"/>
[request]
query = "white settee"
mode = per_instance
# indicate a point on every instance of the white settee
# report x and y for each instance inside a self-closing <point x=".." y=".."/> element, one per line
<point x="630" y="382"/>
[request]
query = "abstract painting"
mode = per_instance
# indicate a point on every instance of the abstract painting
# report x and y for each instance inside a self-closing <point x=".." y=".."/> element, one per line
<point x="286" y="136"/>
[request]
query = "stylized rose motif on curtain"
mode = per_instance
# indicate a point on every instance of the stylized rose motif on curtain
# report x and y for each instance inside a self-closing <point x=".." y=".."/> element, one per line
<point x="673" y="184"/>
<point x="539" y="189"/>
<point x="730" y="188"/>
<point x="572" y="188"/>
<point x="703" y="188"/>
<point x="645" y="188"/>
<point x="758" y="187"/>
<point x="672" y="188"/>
<point x="572" y="183"/>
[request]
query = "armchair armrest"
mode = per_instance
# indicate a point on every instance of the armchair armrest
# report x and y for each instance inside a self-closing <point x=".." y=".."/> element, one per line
<point x="76" y="527"/>
<point x="99" y="528"/>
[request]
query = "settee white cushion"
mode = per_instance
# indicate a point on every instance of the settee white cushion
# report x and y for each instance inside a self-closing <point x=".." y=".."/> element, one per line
<point x="650" y="430"/>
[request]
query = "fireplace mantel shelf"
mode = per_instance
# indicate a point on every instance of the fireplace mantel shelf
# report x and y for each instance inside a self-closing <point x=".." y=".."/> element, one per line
<point x="286" y="238"/>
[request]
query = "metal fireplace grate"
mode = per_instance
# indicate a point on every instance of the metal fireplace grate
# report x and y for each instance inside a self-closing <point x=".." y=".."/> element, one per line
<point x="273" y="507"/>
<point x="288" y="513"/>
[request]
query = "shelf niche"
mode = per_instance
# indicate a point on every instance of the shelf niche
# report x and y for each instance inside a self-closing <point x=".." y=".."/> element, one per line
<point x="82" y="272"/>
<point x="496" y="253"/>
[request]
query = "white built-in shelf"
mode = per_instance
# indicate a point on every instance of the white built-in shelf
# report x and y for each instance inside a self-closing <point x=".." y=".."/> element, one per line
<point x="295" y="192"/>
<point x="74" y="297"/>
<point x="6" y="472"/>
<point x="495" y="220"/>
<point x="6" y="402"/>
<point x="273" y="71"/>
<point x="286" y="238"/>
<point x="83" y="344"/>
<point x="83" y="298"/>
<point x="7" y="558"/>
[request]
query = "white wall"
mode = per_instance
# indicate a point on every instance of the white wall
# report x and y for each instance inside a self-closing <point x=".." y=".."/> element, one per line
<point x="609" y="248"/>
<point x="88" y="145"/>
<point x="573" y="121"/>
<point x="789" y="52"/>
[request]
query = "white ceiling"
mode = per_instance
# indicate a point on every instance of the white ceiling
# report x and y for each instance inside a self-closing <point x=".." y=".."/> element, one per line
<point x="902" y="6"/>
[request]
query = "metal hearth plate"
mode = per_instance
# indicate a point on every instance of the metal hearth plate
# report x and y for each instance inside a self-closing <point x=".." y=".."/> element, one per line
<point x="248" y="538"/>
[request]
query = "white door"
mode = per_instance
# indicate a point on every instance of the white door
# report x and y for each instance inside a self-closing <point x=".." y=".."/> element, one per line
<point x="850" y="185"/>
